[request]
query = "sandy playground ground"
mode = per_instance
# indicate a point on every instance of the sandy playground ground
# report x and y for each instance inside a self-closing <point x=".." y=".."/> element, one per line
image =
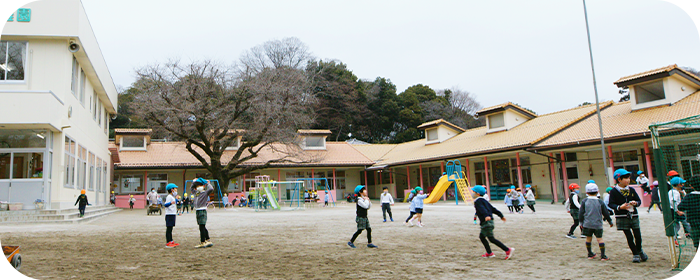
<point x="311" y="244"/>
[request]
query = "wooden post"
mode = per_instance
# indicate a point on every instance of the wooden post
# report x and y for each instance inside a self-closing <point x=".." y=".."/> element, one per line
<point x="466" y="170"/>
<point x="488" y="184"/>
<point x="563" y="174"/>
<point x="552" y="175"/>
<point x="420" y="168"/>
<point x="520" y="172"/>
<point x="334" y="188"/>
<point x="648" y="161"/>
<point x="366" y="183"/>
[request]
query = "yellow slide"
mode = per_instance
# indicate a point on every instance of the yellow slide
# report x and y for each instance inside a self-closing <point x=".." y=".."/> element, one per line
<point x="439" y="190"/>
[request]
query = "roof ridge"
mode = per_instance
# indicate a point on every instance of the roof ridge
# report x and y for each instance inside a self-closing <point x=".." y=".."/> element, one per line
<point x="574" y="108"/>
<point x="363" y="154"/>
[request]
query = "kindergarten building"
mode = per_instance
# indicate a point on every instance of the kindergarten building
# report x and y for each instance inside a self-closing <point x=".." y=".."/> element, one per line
<point x="516" y="147"/>
<point x="57" y="95"/>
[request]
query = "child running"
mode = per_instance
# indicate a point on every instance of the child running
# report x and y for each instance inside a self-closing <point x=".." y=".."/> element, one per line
<point x="521" y="201"/>
<point x="655" y="199"/>
<point x="530" y="197"/>
<point x="508" y="201"/>
<point x="591" y="215"/>
<point x="418" y="205"/>
<point x="411" y="208"/>
<point x="690" y="207"/>
<point x="485" y="211"/>
<point x="574" y="205"/>
<point x="624" y="200"/>
<point x="170" y="214"/>
<point x="387" y="200"/>
<point x="363" y="204"/>
<point x="200" y="204"/>
<point x="514" y="198"/>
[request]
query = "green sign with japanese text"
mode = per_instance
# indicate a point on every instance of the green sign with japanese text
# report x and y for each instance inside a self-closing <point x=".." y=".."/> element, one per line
<point x="23" y="15"/>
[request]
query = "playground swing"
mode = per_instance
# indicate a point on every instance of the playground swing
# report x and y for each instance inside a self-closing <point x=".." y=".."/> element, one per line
<point x="331" y="198"/>
<point x="453" y="175"/>
<point x="217" y="191"/>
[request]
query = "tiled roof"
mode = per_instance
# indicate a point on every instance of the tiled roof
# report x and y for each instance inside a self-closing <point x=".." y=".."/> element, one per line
<point x="438" y="122"/>
<point x="314" y="131"/>
<point x="477" y="141"/>
<point x="132" y="130"/>
<point x="620" y="121"/>
<point x="653" y="72"/>
<point x="375" y="152"/>
<point x="175" y="154"/>
<point x="505" y="105"/>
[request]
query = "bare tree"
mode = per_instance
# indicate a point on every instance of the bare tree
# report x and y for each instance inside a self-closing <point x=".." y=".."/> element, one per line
<point x="209" y="106"/>
<point x="463" y="107"/>
<point x="288" y="52"/>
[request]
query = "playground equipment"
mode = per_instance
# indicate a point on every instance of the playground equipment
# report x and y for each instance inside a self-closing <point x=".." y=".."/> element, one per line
<point x="217" y="189"/>
<point x="154" y="208"/>
<point x="263" y="186"/>
<point x="453" y="174"/>
<point x="12" y="255"/>
<point x="327" y="187"/>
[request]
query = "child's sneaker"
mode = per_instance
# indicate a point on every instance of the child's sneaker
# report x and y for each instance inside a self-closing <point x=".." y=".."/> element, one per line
<point x="570" y="236"/>
<point x="420" y="225"/>
<point x="351" y="245"/>
<point x="604" y="258"/>
<point x="170" y="245"/>
<point x="385" y="220"/>
<point x="201" y="245"/>
<point x="371" y="246"/>
<point x="583" y="236"/>
<point x="591" y="256"/>
<point x="636" y="259"/>
<point x="392" y="219"/>
<point x="509" y="253"/>
<point x="487" y="255"/>
<point x="410" y="223"/>
<point x="643" y="256"/>
<point x="176" y="244"/>
<point x="208" y="243"/>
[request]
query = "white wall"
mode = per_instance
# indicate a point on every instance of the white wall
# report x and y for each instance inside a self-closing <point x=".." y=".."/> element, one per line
<point x="672" y="91"/>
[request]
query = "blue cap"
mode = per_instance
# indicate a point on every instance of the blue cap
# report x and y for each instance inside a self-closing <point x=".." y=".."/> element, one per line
<point x="201" y="181"/>
<point x="675" y="181"/>
<point x="591" y="181"/>
<point x="512" y="187"/>
<point x="479" y="189"/>
<point x="528" y="186"/>
<point x="619" y="173"/>
<point x="170" y="187"/>
<point x="417" y="189"/>
<point x="413" y="191"/>
<point x="359" y="188"/>
<point x="640" y="172"/>
<point x="608" y="189"/>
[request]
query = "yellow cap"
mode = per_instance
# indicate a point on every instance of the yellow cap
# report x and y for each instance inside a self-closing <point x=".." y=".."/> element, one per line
<point x="112" y="191"/>
<point x="185" y="194"/>
<point x="132" y="195"/>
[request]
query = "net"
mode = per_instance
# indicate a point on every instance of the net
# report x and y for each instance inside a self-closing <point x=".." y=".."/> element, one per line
<point x="677" y="154"/>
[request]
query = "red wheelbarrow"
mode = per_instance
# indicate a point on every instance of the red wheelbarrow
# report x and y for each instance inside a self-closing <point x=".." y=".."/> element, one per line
<point x="13" y="256"/>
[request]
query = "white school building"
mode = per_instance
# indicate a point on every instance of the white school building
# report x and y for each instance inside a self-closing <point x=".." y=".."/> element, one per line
<point x="56" y="98"/>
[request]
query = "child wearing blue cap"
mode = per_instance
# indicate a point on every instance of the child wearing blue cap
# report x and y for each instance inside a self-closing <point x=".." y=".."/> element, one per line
<point x="170" y="214"/>
<point x="591" y="215"/>
<point x="202" y="188"/>
<point x="675" y="196"/>
<point x="363" y="204"/>
<point x="624" y="202"/>
<point x="485" y="211"/>
<point x="643" y="182"/>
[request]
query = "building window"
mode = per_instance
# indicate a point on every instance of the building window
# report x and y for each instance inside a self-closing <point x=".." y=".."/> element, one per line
<point x="131" y="183"/>
<point x="106" y="122"/>
<point x="99" y="114"/>
<point x="133" y="143"/>
<point x="480" y="173"/>
<point x="496" y="121"/>
<point x="315" y="142"/>
<point x="689" y="160"/>
<point x="95" y="101"/>
<point x="10" y="138"/>
<point x="524" y="168"/>
<point x="649" y="92"/>
<point x="81" y="98"/>
<point x="82" y="167"/>
<point x="98" y="173"/>
<point x="12" y="58"/>
<point x="627" y="160"/>
<point x="74" y="77"/>
<point x="432" y="134"/>
<point x="158" y="182"/>
<point x="235" y="144"/>
<point x="91" y="171"/>
<point x="70" y="152"/>
<point x="105" y="182"/>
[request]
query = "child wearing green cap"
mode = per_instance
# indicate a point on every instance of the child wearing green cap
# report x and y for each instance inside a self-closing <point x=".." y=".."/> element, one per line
<point x="418" y="205"/>
<point x="624" y="201"/>
<point x="485" y="211"/>
<point x="363" y="204"/>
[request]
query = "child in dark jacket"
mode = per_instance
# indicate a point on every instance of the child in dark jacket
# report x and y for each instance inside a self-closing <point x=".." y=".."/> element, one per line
<point x="82" y="201"/>
<point x="624" y="201"/>
<point x="485" y="211"/>
<point x="690" y="207"/>
<point x="363" y="204"/>
<point x="202" y="188"/>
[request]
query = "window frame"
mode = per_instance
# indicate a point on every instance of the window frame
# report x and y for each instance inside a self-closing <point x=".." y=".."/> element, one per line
<point x="122" y="148"/>
<point x="24" y="62"/>
<point x="503" y="120"/>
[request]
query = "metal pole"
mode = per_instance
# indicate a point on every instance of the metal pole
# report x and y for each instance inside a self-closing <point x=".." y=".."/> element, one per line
<point x="595" y="88"/>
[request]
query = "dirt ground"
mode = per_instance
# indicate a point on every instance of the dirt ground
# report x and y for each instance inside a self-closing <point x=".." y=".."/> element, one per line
<point x="311" y="244"/>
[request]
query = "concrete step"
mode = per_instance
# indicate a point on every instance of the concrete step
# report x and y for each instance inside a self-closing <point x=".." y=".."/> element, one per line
<point x="52" y="215"/>
<point x="92" y="216"/>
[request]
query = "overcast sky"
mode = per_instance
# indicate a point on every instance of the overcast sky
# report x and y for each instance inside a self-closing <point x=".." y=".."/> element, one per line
<point x="534" y="52"/>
